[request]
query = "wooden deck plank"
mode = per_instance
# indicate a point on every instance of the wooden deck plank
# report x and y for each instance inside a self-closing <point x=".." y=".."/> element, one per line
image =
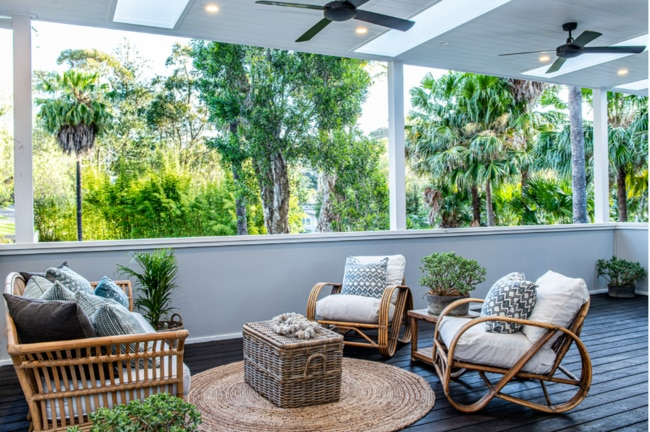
<point x="615" y="333"/>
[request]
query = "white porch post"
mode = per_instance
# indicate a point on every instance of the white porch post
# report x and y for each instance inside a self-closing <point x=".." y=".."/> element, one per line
<point x="396" y="157"/>
<point x="601" y="157"/>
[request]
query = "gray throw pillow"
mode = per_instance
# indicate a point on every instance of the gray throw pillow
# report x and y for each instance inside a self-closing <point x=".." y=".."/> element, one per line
<point x="39" y="320"/>
<point x="36" y="286"/>
<point x="58" y="292"/>
<point x="368" y="280"/>
<point x="69" y="278"/>
<point x="511" y="298"/>
<point x="90" y="302"/>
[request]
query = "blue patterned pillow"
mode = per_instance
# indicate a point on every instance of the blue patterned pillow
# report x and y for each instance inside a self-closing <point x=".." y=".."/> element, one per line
<point x="108" y="289"/>
<point x="511" y="298"/>
<point x="368" y="280"/>
<point x="69" y="278"/>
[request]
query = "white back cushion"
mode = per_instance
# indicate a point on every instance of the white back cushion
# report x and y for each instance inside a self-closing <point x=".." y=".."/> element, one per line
<point x="394" y="270"/>
<point x="558" y="300"/>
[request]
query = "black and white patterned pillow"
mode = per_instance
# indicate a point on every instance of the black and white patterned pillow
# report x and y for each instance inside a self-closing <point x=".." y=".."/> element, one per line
<point x="90" y="302"/>
<point x="511" y="298"/>
<point x="368" y="280"/>
<point x="58" y="292"/>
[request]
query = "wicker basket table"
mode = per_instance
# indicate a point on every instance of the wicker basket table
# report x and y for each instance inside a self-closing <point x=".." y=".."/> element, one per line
<point x="292" y="372"/>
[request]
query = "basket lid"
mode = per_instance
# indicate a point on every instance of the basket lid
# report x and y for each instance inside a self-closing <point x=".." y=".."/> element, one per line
<point x="264" y="330"/>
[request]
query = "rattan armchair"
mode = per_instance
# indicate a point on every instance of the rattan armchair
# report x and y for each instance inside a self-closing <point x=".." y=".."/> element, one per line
<point x="556" y="338"/>
<point x="64" y="381"/>
<point x="383" y="333"/>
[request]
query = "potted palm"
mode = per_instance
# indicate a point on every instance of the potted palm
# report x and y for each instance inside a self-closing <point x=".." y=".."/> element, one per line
<point x="449" y="277"/>
<point x="621" y="275"/>
<point x="155" y="277"/>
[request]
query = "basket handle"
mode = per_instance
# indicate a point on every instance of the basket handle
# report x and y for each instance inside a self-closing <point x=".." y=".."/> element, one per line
<point x="175" y="319"/>
<point x="313" y="356"/>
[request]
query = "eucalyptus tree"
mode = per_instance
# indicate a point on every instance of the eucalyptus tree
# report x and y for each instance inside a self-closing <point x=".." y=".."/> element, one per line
<point x="77" y="114"/>
<point x="578" y="176"/>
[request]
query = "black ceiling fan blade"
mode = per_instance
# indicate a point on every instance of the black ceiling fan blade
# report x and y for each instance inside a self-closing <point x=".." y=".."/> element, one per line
<point x="528" y="52"/>
<point x="384" y="20"/>
<point x="357" y="3"/>
<point x="296" y="5"/>
<point x="614" y="50"/>
<point x="586" y="37"/>
<point x="557" y="64"/>
<point x="320" y="25"/>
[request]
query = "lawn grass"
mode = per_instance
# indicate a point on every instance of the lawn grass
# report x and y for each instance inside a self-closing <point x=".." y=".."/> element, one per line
<point x="6" y="226"/>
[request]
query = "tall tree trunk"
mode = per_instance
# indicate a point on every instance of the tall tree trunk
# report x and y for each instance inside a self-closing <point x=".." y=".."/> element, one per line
<point x="488" y="204"/>
<point x="240" y="200"/>
<point x="621" y="194"/>
<point x="274" y="185"/>
<point x="476" y="207"/>
<point x="78" y="179"/>
<point x="578" y="176"/>
<point x="326" y="216"/>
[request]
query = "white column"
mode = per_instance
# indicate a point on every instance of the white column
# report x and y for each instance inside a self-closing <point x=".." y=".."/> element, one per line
<point x="23" y="190"/>
<point x="396" y="156"/>
<point x="601" y="157"/>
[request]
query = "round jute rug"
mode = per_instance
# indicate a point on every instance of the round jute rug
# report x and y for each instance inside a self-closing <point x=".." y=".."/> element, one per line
<point x="374" y="397"/>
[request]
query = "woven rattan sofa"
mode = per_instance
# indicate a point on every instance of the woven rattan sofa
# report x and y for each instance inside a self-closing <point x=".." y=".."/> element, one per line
<point x="64" y="381"/>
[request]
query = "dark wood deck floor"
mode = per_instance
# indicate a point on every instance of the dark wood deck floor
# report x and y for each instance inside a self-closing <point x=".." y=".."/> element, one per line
<point x="615" y="333"/>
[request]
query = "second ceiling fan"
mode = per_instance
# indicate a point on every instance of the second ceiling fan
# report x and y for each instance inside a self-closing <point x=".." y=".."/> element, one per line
<point x="343" y="11"/>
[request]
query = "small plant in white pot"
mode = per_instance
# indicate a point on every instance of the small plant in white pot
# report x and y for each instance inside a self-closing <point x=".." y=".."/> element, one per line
<point x="449" y="277"/>
<point x="621" y="275"/>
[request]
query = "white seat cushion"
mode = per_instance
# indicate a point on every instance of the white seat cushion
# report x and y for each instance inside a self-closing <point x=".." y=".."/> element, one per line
<point x="558" y="300"/>
<point x="351" y="308"/>
<point x="494" y="349"/>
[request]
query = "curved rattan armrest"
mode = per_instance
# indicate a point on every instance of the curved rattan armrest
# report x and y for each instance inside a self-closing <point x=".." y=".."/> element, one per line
<point x="386" y="301"/>
<point x="315" y="293"/>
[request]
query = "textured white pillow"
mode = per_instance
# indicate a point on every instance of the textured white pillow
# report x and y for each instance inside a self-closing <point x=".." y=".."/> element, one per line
<point x="351" y="308"/>
<point x="558" y="300"/>
<point x="495" y="349"/>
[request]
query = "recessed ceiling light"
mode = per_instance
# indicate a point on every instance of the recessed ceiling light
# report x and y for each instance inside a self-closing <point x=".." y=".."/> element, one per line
<point x="152" y="13"/>
<point x="429" y="24"/>
<point x="444" y="43"/>
<point x="587" y="60"/>
<point x="545" y="58"/>
<point x="212" y="8"/>
<point x="361" y="30"/>
<point x="622" y="72"/>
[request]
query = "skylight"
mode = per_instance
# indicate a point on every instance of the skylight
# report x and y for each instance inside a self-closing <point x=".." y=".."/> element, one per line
<point x="636" y="85"/>
<point x="429" y="24"/>
<point x="152" y="13"/>
<point x="586" y="60"/>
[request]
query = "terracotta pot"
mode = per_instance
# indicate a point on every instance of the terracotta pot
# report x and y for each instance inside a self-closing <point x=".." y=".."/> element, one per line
<point x="436" y="303"/>
<point x="626" y="291"/>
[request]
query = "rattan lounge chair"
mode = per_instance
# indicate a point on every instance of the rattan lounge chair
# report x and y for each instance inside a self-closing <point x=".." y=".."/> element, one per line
<point x="64" y="381"/>
<point x="383" y="327"/>
<point x="542" y="361"/>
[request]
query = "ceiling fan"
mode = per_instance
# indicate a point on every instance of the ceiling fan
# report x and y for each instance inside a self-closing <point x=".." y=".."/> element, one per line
<point x="343" y="11"/>
<point x="576" y="47"/>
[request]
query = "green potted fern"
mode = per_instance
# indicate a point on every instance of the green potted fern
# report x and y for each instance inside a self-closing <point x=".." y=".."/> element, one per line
<point x="155" y="280"/>
<point x="621" y="275"/>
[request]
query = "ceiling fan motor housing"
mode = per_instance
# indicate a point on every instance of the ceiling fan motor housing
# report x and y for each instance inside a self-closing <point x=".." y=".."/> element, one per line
<point x="340" y="11"/>
<point x="568" y="51"/>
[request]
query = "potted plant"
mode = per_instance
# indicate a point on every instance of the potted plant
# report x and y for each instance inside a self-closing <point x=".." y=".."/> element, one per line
<point x="621" y="275"/>
<point x="158" y="412"/>
<point x="155" y="282"/>
<point x="449" y="277"/>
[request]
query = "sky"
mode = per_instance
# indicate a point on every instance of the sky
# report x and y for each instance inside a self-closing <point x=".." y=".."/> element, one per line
<point x="48" y="40"/>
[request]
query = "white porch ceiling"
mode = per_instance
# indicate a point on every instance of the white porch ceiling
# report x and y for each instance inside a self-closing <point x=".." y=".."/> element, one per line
<point x="520" y="25"/>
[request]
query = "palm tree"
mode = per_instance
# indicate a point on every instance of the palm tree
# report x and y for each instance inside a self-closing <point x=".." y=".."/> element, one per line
<point x="578" y="176"/>
<point x="76" y="114"/>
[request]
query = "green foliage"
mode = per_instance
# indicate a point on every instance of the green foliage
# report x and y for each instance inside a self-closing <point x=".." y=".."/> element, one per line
<point x="157" y="413"/>
<point x="155" y="276"/>
<point x="620" y="272"/>
<point x="448" y="274"/>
